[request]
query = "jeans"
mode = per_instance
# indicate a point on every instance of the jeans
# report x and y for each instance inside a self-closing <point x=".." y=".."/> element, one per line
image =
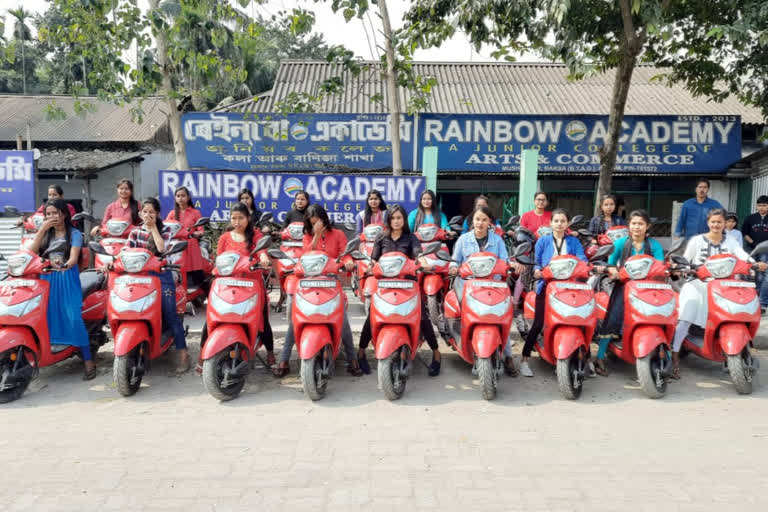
<point x="762" y="283"/>
<point x="171" y="319"/>
<point x="538" y="324"/>
<point x="346" y="340"/>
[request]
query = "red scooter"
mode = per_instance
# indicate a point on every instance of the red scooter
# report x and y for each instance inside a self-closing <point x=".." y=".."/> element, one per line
<point x="186" y="292"/>
<point x="608" y="238"/>
<point x="570" y="319"/>
<point x="235" y="322"/>
<point x="733" y="316"/>
<point x="292" y="245"/>
<point x="479" y="326"/>
<point x="317" y="316"/>
<point x="135" y="314"/>
<point x="25" y="345"/>
<point x="363" y="284"/>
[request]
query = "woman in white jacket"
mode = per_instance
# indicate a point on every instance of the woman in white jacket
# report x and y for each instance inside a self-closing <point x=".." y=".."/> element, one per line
<point x="693" y="295"/>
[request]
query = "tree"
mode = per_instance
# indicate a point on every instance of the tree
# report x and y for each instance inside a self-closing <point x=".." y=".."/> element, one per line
<point x="22" y="33"/>
<point x="593" y="36"/>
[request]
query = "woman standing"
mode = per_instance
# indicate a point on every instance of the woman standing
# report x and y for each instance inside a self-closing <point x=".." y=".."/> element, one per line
<point x="608" y="218"/>
<point x="428" y="212"/>
<point x="539" y="216"/>
<point x="300" y="205"/>
<point x="637" y="243"/>
<point x="547" y="247"/>
<point x="375" y="211"/>
<point x="65" y="301"/>
<point x="55" y="192"/>
<point x="187" y="215"/>
<point x="480" y="201"/>
<point x="124" y="208"/>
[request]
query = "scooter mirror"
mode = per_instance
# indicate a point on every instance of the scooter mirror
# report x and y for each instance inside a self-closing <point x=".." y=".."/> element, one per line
<point x="202" y="221"/>
<point x="456" y="228"/>
<point x="676" y="246"/>
<point x="263" y="243"/>
<point x="524" y="259"/>
<point x="584" y="232"/>
<point x="97" y="248"/>
<point x="525" y="232"/>
<point x="11" y="210"/>
<point x="352" y="245"/>
<point x="358" y="256"/>
<point x="277" y="254"/>
<point x="177" y="248"/>
<point x="680" y="260"/>
<point x="577" y="219"/>
<point x="761" y="248"/>
<point x="349" y="226"/>
<point x="456" y="221"/>
<point x="265" y="217"/>
<point x="431" y="248"/>
<point x="56" y="246"/>
<point x="523" y="248"/>
<point x="513" y="220"/>
<point x="602" y="253"/>
<point x="443" y="255"/>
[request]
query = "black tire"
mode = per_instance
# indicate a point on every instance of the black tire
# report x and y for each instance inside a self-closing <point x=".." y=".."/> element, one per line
<point x="288" y="304"/>
<point x="213" y="374"/>
<point x="10" y="395"/>
<point x="741" y="373"/>
<point x="647" y="367"/>
<point x="123" y="368"/>
<point x="435" y="312"/>
<point x="314" y="384"/>
<point x="393" y="389"/>
<point x="486" y="374"/>
<point x="570" y="388"/>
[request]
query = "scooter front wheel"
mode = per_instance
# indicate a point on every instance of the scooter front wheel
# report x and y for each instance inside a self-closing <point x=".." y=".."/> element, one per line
<point x="129" y="370"/>
<point x="391" y="378"/>
<point x="486" y="374"/>
<point x="569" y="378"/>
<point x="17" y="369"/>
<point x="741" y="368"/>
<point x="313" y="377"/>
<point x="649" y="374"/>
<point x="217" y="376"/>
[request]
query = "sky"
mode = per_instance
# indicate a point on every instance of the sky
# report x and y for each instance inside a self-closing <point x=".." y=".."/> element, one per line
<point x="332" y="26"/>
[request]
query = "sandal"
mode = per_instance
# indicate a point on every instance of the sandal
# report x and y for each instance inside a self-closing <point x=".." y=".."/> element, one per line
<point x="675" y="373"/>
<point x="271" y="361"/>
<point x="281" y="370"/>
<point x="509" y="367"/>
<point x="362" y="362"/>
<point x="184" y="365"/>
<point x="600" y="368"/>
<point x="198" y="369"/>
<point x="354" y="369"/>
<point x="90" y="374"/>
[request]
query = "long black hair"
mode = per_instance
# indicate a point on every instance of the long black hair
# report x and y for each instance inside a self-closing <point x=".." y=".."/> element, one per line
<point x="176" y="207"/>
<point x="315" y="210"/>
<point x="132" y="202"/>
<point x="395" y="209"/>
<point x="368" y="212"/>
<point x="420" y="213"/>
<point x="63" y="209"/>
<point x="249" y="231"/>
<point x="158" y="222"/>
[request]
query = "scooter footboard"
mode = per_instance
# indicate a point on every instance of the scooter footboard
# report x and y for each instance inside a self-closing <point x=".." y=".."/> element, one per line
<point x="647" y="338"/>
<point x="485" y="340"/>
<point x="566" y="340"/>
<point x="223" y="337"/>
<point x="390" y="338"/>
<point x="129" y="335"/>
<point x="15" y="336"/>
<point x="313" y="339"/>
<point x="733" y="338"/>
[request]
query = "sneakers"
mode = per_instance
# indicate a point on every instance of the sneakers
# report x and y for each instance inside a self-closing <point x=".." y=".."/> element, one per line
<point x="525" y="369"/>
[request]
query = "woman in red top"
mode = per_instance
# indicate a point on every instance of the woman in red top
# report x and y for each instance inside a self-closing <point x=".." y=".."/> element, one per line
<point x="187" y="215"/>
<point x="539" y="216"/>
<point x="319" y="235"/>
<point x="125" y="208"/>
<point x="242" y="238"/>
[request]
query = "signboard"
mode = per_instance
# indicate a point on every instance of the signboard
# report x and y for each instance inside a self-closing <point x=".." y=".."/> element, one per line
<point x="342" y="196"/>
<point x="295" y="142"/>
<point x="17" y="180"/>
<point x="570" y="144"/>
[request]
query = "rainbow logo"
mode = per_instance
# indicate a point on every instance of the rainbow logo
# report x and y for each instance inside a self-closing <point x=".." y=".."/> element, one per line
<point x="576" y="130"/>
<point x="291" y="186"/>
<point x="299" y="131"/>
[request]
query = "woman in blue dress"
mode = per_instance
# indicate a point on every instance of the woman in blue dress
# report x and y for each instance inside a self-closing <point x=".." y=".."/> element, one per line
<point x="65" y="301"/>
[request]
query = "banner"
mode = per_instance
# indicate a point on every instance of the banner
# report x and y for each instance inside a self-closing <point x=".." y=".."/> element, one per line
<point x="342" y="196"/>
<point x="571" y="144"/>
<point x="296" y="142"/>
<point x="17" y="180"/>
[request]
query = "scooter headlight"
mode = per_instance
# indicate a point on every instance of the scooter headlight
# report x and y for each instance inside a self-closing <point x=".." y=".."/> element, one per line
<point x="391" y="265"/>
<point x="638" y="269"/>
<point x="139" y="305"/>
<point x="562" y="269"/>
<point x="133" y="261"/>
<point x="307" y="308"/>
<point x="734" y="308"/>
<point x="387" y="309"/>
<point x="372" y="232"/>
<point x="296" y="231"/>
<point x="17" y="263"/>
<point x="226" y="262"/>
<point x="566" y="310"/>
<point x="239" y="308"/>
<point x="721" y="268"/>
<point x="117" y="227"/>
<point x="313" y="264"/>
<point x="481" y="308"/>
<point x="173" y="228"/>
<point x="22" y="308"/>
<point x="647" y="309"/>
<point x="481" y="266"/>
<point x="615" y="234"/>
<point x="427" y="233"/>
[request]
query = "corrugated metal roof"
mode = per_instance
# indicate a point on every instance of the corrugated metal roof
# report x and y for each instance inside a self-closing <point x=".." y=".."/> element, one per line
<point x="109" y="123"/>
<point x="493" y="88"/>
<point x="10" y="239"/>
<point x="89" y="160"/>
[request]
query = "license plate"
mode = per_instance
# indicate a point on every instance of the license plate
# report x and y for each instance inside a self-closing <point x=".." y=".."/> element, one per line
<point x="235" y="282"/>
<point x="18" y="283"/>
<point x="306" y="283"/>
<point x="133" y="280"/>
<point x="293" y="244"/>
<point x="738" y="284"/>
<point x="489" y="284"/>
<point x="396" y="284"/>
<point x="654" y="286"/>
<point x="573" y="286"/>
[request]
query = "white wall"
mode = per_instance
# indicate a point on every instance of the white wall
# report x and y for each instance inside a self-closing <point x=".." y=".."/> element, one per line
<point x="157" y="161"/>
<point x="720" y="191"/>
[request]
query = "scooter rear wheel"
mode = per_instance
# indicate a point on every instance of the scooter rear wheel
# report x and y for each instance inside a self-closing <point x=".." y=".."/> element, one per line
<point x="128" y="373"/>
<point x="647" y="368"/>
<point x="435" y="312"/>
<point x="486" y="374"/>
<point x="313" y="381"/>
<point x="214" y="375"/>
<point x="740" y="368"/>
<point x="6" y="365"/>
<point x="567" y="380"/>
<point x="391" y="381"/>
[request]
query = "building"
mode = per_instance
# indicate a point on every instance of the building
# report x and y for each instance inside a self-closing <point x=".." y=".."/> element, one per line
<point x="529" y="90"/>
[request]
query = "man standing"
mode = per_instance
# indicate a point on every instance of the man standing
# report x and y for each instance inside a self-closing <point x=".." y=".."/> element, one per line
<point x="693" y="215"/>
<point x="755" y="230"/>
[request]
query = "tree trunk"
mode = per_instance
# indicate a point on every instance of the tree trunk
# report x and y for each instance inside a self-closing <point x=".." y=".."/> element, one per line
<point x="609" y="150"/>
<point x="23" y="65"/>
<point x="174" y="116"/>
<point x="394" y="99"/>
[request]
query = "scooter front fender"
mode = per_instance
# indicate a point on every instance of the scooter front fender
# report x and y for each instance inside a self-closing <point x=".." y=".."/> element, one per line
<point x="129" y="335"/>
<point x="15" y="336"/>
<point x="223" y="337"/>
<point x="391" y="338"/>
<point x="291" y="283"/>
<point x="733" y="338"/>
<point x="433" y="284"/>
<point x="485" y="340"/>
<point x="566" y="341"/>
<point x="369" y="286"/>
<point x="451" y="305"/>
<point x="313" y="338"/>
<point x="646" y="339"/>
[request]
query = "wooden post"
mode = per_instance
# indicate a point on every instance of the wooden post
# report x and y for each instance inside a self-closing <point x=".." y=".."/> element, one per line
<point x="19" y="142"/>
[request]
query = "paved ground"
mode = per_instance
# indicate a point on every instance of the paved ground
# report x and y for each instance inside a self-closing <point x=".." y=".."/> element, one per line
<point x="70" y="445"/>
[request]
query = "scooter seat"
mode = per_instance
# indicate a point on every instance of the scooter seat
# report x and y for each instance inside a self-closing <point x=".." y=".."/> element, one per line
<point x="91" y="281"/>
